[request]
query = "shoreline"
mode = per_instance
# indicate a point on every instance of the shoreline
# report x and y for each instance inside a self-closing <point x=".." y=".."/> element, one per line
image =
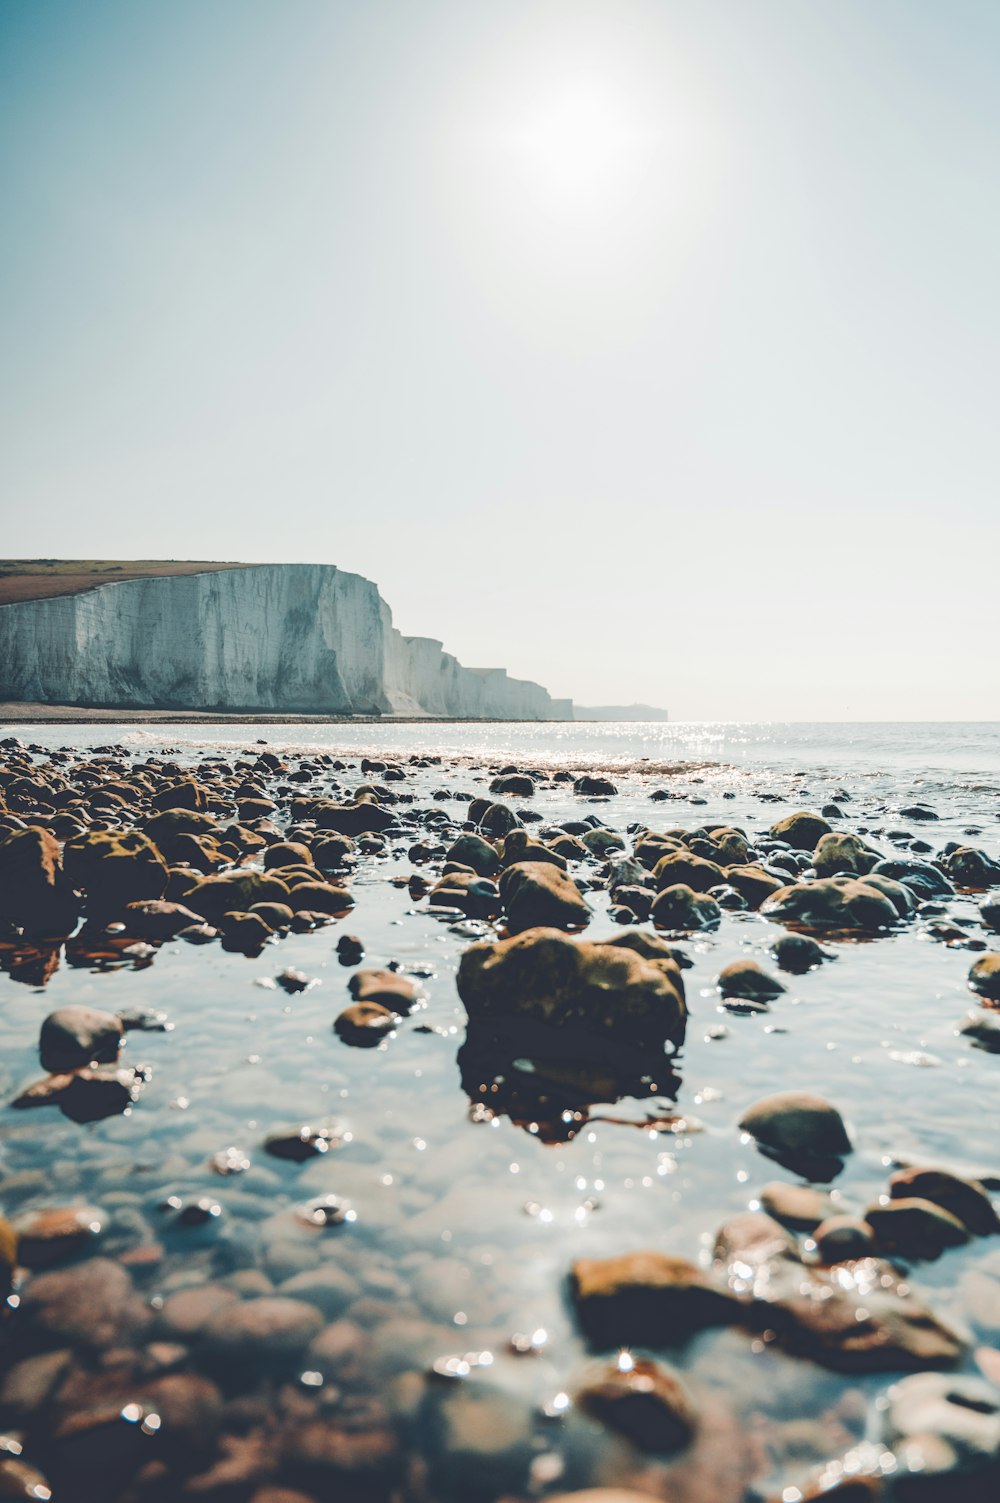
<point x="37" y="714"/>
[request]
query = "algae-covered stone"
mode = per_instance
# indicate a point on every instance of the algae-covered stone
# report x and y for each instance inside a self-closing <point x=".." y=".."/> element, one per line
<point x="544" y="976"/>
<point x="115" y="868"/>
<point x="233" y="892"/>
<point x="35" y="893"/>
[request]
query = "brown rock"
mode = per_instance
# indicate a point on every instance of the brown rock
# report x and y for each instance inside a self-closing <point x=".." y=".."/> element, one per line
<point x="535" y="894"/>
<point x="647" y="1299"/>
<point x="644" y="1401"/>
<point x="35" y="894"/>
<point x="364" y="1024"/>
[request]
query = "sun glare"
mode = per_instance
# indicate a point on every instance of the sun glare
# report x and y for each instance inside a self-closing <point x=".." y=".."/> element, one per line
<point x="579" y="138"/>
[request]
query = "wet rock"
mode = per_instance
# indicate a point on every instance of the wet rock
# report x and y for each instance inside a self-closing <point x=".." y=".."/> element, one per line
<point x="363" y="817"/>
<point x="681" y="910"/>
<point x="680" y="867"/>
<point x="85" y="1095"/>
<point x="514" y="785"/>
<point x="233" y="892"/>
<point x="832" y="903"/>
<point x="476" y="897"/>
<point x="915" y="1228"/>
<point x="90" y="1305"/>
<point x="919" y="876"/>
<point x="536" y="894"/>
<point x="156" y="919"/>
<point x="53" y="1233"/>
<point x="357" y="1455"/>
<point x="198" y="934"/>
<point x="842" y="1239"/>
<point x="990" y="915"/>
<point x="364" y="1024"/>
<point x="495" y="819"/>
<point x="35" y="893"/>
<point x="972" y="869"/>
<point x="802" y="831"/>
<point x="798" y="953"/>
<point x="292" y="981"/>
<point x="476" y="853"/>
<point x="333" y="853"/>
<point x="544" y="976"/>
<point x="794" y="1126"/>
<point x="647" y="1299"/>
<point x="984" y="977"/>
<point x="601" y="843"/>
<point x="388" y="988"/>
<point x="301" y="1143"/>
<point x="350" y="949"/>
<point x="746" y="980"/>
<point x="835" y="854"/>
<point x="753" y="883"/>
<point x="259" y="1330"/>
<point x="8" y="1256"/>
<point x="519" y="846"/>
<point x="797" y="1206"/>
<point x="114" y="868"/>
<point x="246" y="933"/>
<point x="72" y="1037"/>
<point x="644" y="1401"/>
<point x="278" y="917"/>
<point x="185" y="1315"/>
<point x="963" y="1198"/>
<point x="588" y="785"/>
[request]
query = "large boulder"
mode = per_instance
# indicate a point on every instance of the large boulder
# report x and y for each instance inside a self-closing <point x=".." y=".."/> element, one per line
<point x="535" y="893"/>
<point x="802" y="830"/>
<point x="114" y="868"/>
<point x="35" y="893"/>
<point x="846" y="903"/>
<point x="545" y="977"/>
<point x="232" y="892"/>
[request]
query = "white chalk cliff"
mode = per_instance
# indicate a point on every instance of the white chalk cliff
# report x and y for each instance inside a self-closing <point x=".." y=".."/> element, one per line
<point x="303" y="638"/>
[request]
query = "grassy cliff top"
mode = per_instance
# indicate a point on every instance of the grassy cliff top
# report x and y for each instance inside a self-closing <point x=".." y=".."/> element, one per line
<point x="36" y="578"/>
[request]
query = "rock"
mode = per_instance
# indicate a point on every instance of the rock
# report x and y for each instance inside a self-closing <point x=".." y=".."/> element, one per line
<point x="798" y="953"/>
<point x="802" y="831"/>
<point x="257" y="1331"/>
<point x="233" y="892"/>
<point x="900" y="896"/>
<point x="333" y="853"/>
<point x="495" y="819"/>
<point x="843" y="1239"/>
<point x="681" y="910"/>
<point x="475" y="852"/>
<point x="318" y="897"/>
<point x="537" y="894"/>
<point x="543" y="976"/>
<point x="519" y="846"/>
<point x="476" y="897"/>
<point x="35" y="893"/>
<point x="514" y="784"/>
<point x="797" y="1125"/>
<point x="244" y="932"/>
<point x="186" y="1314"/>
<point x="915" y="1228"/>
<point x="364" y="817"/>
<point x="590" y="786"/>
<point x="8" y="1256"/>
<point x="647" y="1299"/>
<point x="964" y="1198"/>
<point x="680" y="867"/>
<point x="919" y="876"/>
<point x="943" y="1427"/>
<point x="843" y="853"/>
<point x="388" y="988"/>
<point x="90" y="1304"/>
<point x="51" y="1234"/>
<point x="115" y="867"/>
<point x="753" y="883"/>
<point x="85" y="1095"/>
<point x="364" y="1024"/>
<point x="330" y="1288"/>
<point x="350" y="949"/>
<point x="972" y="869"/>
<point x="745" y="979"/>
<point x="984" y="977"/>
<point x="287" y="853"/>
<point x="301" y="1143"/>
<point x="869" y="1322"/>
<point x="990" y="915"/>
<point x="644" y="1401"/>
<point x="832" y="903"/>
<point x="601" y="843"/>
<point x="155" y="919"/>
<point x="72" y="1037"/>
<point x="797" y="1206"/>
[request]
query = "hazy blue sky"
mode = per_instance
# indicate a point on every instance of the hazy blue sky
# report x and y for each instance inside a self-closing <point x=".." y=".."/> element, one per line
<point x="651" y="350"/>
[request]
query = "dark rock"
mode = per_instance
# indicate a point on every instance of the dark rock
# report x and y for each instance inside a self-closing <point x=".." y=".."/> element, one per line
<point x="647" y="1299"/>
<point x="964" y="1198"/>
<point x="35" y="893"/>
<point x="681" y="910"/>
<point x="802" y="831"/>
<point x="798" y="953"/>
<point x="984" y="977"/>
<point x="644" y="1401"/>
<point x="833" y="903"/>
<point x="746" y="980"/>
<point x="73" y="1037"/>
<point x="537" y="894"/>
<point x="364" y="1024"/>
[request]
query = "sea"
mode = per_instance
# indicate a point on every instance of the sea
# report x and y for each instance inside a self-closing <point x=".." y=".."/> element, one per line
<point x="464" y="1225"/>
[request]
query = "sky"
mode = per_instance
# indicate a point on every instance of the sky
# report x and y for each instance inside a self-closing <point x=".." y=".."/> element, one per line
<point x="647" y="348"/>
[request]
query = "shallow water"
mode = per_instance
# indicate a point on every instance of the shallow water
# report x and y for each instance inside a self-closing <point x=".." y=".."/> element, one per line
<point x="465" y="1228"/>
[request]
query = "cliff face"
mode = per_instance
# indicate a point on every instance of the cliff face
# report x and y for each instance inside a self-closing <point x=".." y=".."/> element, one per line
<point x="302" y="638"/>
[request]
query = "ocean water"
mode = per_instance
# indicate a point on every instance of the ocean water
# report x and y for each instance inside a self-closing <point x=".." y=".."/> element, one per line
<point x="465" y="1226"/>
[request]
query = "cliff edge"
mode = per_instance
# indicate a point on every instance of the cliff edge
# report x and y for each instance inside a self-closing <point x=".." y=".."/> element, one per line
<point x="297" y="638"/>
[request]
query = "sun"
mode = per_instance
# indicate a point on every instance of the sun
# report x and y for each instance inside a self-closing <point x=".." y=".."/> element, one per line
<point x="578" y="138"/>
